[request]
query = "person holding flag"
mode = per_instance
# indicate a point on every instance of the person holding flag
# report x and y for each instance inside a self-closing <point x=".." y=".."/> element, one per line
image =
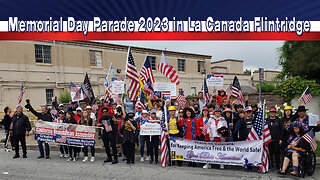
<point x="202" y="120"/>
<point x="296" y="146"/>
<point x="304" y="118"/>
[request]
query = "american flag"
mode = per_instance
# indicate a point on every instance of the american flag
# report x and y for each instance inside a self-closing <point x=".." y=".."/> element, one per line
<point x="205" y="90"/>
<point x="205" y="128"/>
<point x="256" y="134"/>
<point x="181" y="99"/>
<point x="166" y="93"/>
<point x="306" y="96"/>
<point x="164" y="135"/>
<point x="236" y="91"/>
<point x="111" y="71"/>
<point x="253" y="87"/>
<point x="149" y="90"/>
<point x="214" y="94"/>
<point x="140" y="101"/>
<point x="309" y="137"/>
<point x="75" y="92"/>
<point x="132" y="74"/>
<point x="167" y="69"/>
<point x="146" y="72"/>
<point x="229" y="91"/>
<point x="21" y="92"/>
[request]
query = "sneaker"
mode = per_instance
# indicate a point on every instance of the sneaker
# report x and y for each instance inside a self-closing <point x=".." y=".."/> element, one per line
<point x="148" y="158"/>
<point x="40" y="157"/>
<point x="24" y="156"/>
<point x="221" y="166"/>
<point x="141" y="159"/>
<point x="47" y="157"/>
<point x="206" y="166"/>
<point x="107" y="160"/>
<point x="92" y="159"/>
<point x="61" y="155"/>
<point x="74" y="160"/>
<point x="115" y="161"/>
<point x="16" y="156"/>
<point x="85" y="159"/>
<point x="69" y="159"/>
<point x="66" y="156"/>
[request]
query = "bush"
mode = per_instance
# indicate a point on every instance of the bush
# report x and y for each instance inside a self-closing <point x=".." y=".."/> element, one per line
<point x="294" y="87"/>
<point x="266" y="87"/>
<point x="64" y="96"/>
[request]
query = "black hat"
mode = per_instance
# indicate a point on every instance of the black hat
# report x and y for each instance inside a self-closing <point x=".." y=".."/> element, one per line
<point x="301" y="109"/>
<point x="254" y="105"/>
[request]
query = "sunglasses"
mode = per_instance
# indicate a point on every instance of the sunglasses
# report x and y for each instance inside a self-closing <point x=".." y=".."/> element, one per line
<point x="295" y="127"/>
<point x="105" y="111"/>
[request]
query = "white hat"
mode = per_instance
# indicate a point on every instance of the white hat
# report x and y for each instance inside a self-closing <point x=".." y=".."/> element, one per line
<point x="144" y="112"/>
<point x="78" y="109"/>
<point x="61" y="105"/>
<point x="88" y="107"/>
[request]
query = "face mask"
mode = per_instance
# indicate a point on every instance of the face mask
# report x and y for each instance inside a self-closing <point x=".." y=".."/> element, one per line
<point x="196" y="109"/>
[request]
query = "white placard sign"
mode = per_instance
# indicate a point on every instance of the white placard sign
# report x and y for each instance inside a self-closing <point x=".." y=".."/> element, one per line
<point x="117" y="87"/>
<point x="313" y="120"/>
<point x="150" y="129"/>
<point x="164" y="86"/>
<point x="214" y="80"/>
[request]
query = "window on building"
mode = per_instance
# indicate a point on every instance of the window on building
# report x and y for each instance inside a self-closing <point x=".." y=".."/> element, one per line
<point x="42" y="53"/>
<point x="152" y="61"/>
<point x="193" y="90"/>
<point x="181" y="64"/>
<point x="200" y="66"/>
<point x="49" y="95"/>
<point x="95" y="58"/>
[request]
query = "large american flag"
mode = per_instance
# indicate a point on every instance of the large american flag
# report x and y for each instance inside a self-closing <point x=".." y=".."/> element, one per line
<point x="205" y="90"/>
<point x="164" y="135"/>
<point x="306" y="96"/>
<point x="181" y="99"/>
<point x="146" y="72"/>
<point x="236" y="91"/>
<point x="309" y="137"/>
<point x="256" y="133"/>
<point x="167" y="69"/>
<point x="149" y="90"/>
<point x="21" y="92"/>
<point x="132" y="74"/>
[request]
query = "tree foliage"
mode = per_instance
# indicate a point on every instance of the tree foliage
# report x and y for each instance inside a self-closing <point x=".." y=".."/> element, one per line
<point x="294" y="87"/>
<point x="300" y="58"/>
<point x="267" y="86"/>
<point x="64" y="96"/>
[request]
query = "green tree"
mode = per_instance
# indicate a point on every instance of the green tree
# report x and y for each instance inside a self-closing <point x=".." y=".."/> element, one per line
<point x="64" y="96"/>
<point x="300" y="58"/>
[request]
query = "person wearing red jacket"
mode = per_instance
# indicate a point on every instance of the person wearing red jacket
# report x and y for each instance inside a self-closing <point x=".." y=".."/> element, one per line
<point x="188" y="124"/>
<point x="202" y="120"/>
<point x="110" y="110"/>
<point x="221" y="94"/>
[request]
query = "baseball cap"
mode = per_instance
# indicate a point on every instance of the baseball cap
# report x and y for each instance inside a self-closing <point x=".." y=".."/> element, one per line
<point x="272" y="109"/>
<point x="248" y="109"/>
<point x="78" y="109"/>
<point x="88" y="107"/>
<point x="153" y="111"/>
<point x="61" y="105"/>
<point x="144" y="112"/>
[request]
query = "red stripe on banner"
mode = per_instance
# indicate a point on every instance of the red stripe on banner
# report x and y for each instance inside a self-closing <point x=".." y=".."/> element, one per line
<point x="159" y="36"/>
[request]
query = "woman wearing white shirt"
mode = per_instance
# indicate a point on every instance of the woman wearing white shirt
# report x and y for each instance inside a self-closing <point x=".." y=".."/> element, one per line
<point x="216" y="122"/>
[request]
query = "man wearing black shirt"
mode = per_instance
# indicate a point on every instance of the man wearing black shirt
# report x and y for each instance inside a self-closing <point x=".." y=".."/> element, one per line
<point x="19" y="130"/>
<point x="109" y="135"/>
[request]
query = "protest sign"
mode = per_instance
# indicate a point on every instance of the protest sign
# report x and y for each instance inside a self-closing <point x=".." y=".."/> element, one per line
<point x="215" y="80"/>
<point x="228" y="153"/>
<point x="164" y="86"/>
<point x="63" y="133"/>
<point x="150" y="129"/>
<point x="117" y="87"/>
<point x="313" y="119"/>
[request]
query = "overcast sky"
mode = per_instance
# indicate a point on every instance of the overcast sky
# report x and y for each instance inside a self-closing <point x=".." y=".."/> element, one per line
<point x="255" y="54"/>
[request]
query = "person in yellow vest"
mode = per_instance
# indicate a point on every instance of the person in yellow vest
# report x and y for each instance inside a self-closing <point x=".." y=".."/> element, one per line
<point x="174" y="131"/>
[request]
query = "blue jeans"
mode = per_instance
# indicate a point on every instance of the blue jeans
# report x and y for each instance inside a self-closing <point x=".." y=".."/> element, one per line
<point x="46" y="146"/>
<point x="142" y="140"/>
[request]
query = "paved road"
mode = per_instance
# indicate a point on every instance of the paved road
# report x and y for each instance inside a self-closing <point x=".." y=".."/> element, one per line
<point x="56" y="168"/>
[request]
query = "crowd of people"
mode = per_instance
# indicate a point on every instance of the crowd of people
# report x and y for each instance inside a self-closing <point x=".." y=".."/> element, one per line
<point x="228" y="121"/>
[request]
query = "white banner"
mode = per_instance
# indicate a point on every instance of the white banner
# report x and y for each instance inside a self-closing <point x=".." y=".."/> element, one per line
<point x="228" y="153"/>
<point x="214" y="80"/>
<point x="164" y="86"/>
<point x="150" y="129"/>
<point x="117" y="87"/>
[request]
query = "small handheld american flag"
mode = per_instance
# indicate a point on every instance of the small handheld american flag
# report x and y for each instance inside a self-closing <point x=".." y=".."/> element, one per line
<point x="309" y="137"/>
<point x="306" y="96"/>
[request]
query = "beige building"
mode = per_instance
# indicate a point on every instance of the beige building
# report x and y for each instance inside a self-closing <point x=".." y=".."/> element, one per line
<point x="269" y="75"/>
<point x="46" y="67"/>
<point x="230" y="68"/>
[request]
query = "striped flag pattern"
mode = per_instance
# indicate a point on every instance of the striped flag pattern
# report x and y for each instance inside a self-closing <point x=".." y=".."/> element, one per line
<point x="205" y="128"/>
<point x="164" y="135"/>
<point x="256" y="134"/>
<point x="236" y="91"/>
<point x="167" y="69"/>
<point x="309" y="137"/>
<point x="132" y="74"/>
<point x="146" y="72"/>
<point x="21" y="92"/>
<point x="205" y="90"/>
<point x="229" y="91"/>
<point x="181" y="99"/>
<point x="306" y="96"/>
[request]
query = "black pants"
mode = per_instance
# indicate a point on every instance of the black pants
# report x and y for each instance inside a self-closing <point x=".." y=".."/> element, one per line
<point x="85" y="151"/>
<point x="274" y="149"/>
<point x="154" y="148"/>
<point x="73" y="150"/>
<point x="64" y="149"/>
<point x="22" y="139"/>
<point x="7" y="141"/>
<point x="129" y="151"/>
<point x="110" y="140"/>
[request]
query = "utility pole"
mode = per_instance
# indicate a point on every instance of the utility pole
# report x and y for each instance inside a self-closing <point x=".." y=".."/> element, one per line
<point x="261" y="79"/>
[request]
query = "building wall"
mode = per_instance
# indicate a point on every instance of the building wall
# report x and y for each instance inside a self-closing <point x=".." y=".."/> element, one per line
<point x="232" y="66"/>
<point x="268" y="75"/>
<point x="70" y="62"/>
